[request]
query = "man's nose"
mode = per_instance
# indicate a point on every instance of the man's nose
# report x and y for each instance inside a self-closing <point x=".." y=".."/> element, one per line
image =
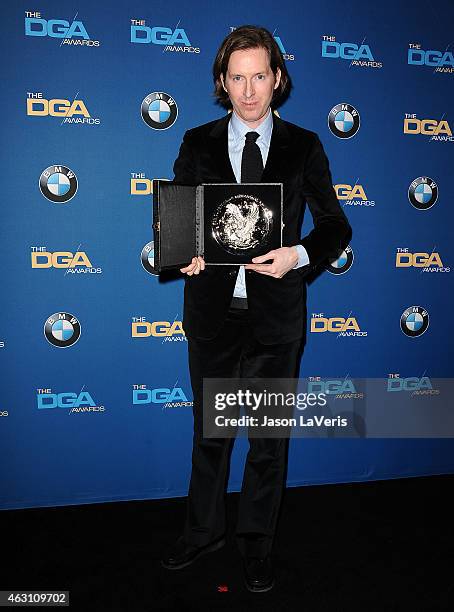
<point x="249" y="89"/>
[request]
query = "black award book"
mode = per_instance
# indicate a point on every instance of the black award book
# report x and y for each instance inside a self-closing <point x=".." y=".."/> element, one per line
<point x="226" y="223"/>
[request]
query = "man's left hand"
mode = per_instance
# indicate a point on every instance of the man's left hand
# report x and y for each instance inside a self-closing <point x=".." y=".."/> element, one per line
<point x="283" y="260"/>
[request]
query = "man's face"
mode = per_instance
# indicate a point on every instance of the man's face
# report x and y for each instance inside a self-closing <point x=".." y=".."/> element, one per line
<point x="250" y="83"/>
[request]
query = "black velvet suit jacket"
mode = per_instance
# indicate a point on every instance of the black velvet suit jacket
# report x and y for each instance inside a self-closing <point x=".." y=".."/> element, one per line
<point x="277" y="307"/>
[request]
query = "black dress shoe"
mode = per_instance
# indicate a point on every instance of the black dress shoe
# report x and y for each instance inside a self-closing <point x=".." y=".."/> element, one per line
<point x="258" y="574"/>
<point x="181" y="554"/>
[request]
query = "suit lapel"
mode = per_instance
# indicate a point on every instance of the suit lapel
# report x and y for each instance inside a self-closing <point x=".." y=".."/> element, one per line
<point x="219" y="149"/>
<point x="277" y="154"/>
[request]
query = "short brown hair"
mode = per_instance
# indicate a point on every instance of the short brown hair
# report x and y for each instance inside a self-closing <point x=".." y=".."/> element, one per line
<point x="249" y="37"/>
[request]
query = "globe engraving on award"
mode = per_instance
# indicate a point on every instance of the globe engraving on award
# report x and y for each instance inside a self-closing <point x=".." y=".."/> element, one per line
<point x="241" y="222"/>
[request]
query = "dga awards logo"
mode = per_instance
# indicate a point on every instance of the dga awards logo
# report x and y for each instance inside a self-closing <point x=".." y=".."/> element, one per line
<point x="353" y="195"/>
<point x="440" y="61"/>
<point x="437" y="129"/>
<point x="165" y="397"/>
<point x="62" y="329"/>
<point x="58" y="184"/>
<point x="423" y="193"/>
<point x="174" y="41"/>
<point x="342" y="326"/>
<point x="70" y="111"/>
<point x="414" y="321"/>
<point x="414" y="385"/>
<point x="147" y="258"/>
<point x="343" y="120"/>
<point x="168" y="331"/>
<point x="357" y="55"/>
<point x="424" y="262"/>
<point x="341" y="264"/>
<point x="159" y="110"/>
<point x="74" y="402"/>
<point x="340" y="388"/>
<point x="73" y="263"/>
<point x="73" y="33"/>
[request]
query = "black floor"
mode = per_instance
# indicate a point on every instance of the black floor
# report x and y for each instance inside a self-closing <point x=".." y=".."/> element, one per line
<point x="369" y="546"/>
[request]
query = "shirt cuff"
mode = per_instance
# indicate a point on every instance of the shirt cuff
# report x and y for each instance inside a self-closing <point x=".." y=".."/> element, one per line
<point x="303" y="257"/>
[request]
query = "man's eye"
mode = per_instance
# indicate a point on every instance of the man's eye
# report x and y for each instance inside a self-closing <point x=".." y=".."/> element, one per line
<point x="236" y="78"/>
<point x="260" y="77"/>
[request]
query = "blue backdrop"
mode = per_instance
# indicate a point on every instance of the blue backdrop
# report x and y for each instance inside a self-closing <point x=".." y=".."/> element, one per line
<point x="95" y="395"/>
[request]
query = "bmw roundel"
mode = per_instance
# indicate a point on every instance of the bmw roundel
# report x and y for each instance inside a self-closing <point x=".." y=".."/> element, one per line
<point x="62" y="329"/>
<point x="414" y="321"/>
<point x="342" y="263"/>
<point x="159" y="110"/>
<point x="343" y="120"/>
<point x="147" y="258"/>
<point x="58" y="184"/>
<point x="423" y="193"/>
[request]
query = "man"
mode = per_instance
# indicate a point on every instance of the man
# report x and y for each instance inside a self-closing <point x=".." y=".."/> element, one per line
<point x="249" y="320"/>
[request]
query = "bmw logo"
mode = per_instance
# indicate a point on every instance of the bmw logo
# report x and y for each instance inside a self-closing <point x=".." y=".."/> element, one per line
<point x="423" y="193"/>
<point x="414" y="321"/>
<point x="62" y="329"/>
<point x="342" y="263"/>
<point x="343" y="120"/>
<point x="58" y="184"/>
<point x="159" y="110"/>
<point x="147" y="258"/>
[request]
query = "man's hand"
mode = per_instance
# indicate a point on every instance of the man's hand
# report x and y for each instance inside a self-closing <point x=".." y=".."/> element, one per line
<point x="284" y="259"/>
<point x="197" y="264"/>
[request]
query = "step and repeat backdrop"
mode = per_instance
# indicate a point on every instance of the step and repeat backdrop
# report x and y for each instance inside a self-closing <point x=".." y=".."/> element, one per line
<point x="95" y="399"/>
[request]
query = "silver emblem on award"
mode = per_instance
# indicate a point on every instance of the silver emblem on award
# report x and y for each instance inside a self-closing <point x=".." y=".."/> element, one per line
<point x="241" y="222"/>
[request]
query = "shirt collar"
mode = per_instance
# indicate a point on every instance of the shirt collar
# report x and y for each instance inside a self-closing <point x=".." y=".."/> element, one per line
<point x="240" y="129"/>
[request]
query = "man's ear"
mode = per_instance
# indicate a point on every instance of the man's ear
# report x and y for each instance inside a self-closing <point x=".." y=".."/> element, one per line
<point x="278" y="78"/>
<point x="222" y="83"/>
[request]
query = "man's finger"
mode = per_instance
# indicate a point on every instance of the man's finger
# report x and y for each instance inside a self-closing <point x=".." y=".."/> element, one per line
<point x="196" y="269"/>
<point x="259" y="267"/>
<point x="263" y="258"/>
<point x="197" y="264"/>
<point x="189" y="268"/>
<point x="200" y="265"/>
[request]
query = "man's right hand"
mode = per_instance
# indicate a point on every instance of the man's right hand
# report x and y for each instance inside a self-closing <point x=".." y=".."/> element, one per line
<point x="195" y="267"/>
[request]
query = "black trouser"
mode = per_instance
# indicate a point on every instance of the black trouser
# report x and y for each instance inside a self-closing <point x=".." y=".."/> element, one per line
<point x="234" y="352"/>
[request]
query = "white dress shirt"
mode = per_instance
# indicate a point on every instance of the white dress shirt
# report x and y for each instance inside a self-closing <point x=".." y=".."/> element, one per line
<point x="237" y="137"/>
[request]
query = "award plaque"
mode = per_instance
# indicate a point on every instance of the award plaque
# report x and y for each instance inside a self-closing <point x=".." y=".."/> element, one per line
<point x="226" y="223"/>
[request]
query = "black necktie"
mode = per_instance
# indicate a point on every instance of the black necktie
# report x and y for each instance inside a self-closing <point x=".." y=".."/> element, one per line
<point x="251" y="161"/>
